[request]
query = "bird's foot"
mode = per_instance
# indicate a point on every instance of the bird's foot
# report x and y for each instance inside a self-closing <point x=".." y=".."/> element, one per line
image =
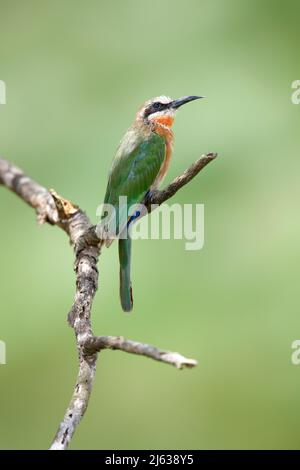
<point x="149" y="196"/>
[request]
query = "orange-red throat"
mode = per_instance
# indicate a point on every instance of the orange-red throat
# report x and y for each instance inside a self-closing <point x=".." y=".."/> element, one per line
<point x="162" y="126"/>
<point x="164" y="120"/>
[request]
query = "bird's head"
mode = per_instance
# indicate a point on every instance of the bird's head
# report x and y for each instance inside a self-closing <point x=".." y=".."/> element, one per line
<point x="162" y="109"/>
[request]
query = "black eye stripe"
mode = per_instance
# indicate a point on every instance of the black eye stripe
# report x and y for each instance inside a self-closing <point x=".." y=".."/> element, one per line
<point x="154" y="108"/>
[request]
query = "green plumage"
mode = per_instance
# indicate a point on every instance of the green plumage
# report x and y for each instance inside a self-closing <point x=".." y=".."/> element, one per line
<point x="132" y="173"/>
<point x="125" y="282"/>
<point x="134" y="170"/>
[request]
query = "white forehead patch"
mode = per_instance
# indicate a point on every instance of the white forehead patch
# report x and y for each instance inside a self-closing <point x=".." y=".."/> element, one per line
<point x="162" y="99"/>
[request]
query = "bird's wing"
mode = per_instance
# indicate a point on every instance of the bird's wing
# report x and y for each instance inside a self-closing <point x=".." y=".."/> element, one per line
<point x="132" y="173"/>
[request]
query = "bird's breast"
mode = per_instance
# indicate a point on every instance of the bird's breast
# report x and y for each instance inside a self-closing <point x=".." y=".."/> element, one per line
<point x="168" y="136"/>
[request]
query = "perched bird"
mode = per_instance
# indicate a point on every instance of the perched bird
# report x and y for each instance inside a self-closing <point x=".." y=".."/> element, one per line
<point x="140" y="164"/>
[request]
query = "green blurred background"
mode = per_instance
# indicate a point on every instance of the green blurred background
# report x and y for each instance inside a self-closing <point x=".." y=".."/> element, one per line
<point x="76" y="73"/>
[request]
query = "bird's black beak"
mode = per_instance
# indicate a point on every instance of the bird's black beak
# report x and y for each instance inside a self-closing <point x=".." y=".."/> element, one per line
<point x="186" y="99"/>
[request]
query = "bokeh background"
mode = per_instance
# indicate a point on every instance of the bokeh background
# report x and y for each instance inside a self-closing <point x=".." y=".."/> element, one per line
<point x="76" y="72"/>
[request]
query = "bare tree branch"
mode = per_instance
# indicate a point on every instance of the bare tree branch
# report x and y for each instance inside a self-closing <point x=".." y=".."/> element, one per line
<point x="86" y="258"/>
<point x="159" y="196"/>
<point x="28" y="190"/>
<point x="97" y="343"/>
<point x="54" y="209"/>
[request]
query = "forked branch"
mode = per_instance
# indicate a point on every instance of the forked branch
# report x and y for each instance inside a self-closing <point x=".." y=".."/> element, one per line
<point x="54" y="209"/>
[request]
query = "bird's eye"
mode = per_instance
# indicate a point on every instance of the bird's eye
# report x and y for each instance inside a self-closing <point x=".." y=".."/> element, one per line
<point x="156" y="105"/>
<point x="153" y="108"/>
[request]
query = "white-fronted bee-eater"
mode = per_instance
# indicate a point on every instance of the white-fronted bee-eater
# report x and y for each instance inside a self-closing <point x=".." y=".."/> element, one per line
<point x="140" y="164"/>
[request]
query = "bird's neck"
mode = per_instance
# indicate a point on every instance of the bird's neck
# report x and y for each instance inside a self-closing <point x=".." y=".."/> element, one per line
<point x="163" y="127"/>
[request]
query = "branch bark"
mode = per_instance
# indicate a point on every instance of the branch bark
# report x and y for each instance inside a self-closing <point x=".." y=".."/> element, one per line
<point x="97" y="343"/>
<point x="159" y="196"/>
<point x="56" y="210"/>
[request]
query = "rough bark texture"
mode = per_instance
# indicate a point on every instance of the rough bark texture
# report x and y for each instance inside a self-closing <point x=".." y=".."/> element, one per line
<point x="97" y="343"/>
<point x="56" y="210"/>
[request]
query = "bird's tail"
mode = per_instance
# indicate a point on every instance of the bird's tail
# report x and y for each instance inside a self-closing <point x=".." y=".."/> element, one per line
<point x="125" y="282"/>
